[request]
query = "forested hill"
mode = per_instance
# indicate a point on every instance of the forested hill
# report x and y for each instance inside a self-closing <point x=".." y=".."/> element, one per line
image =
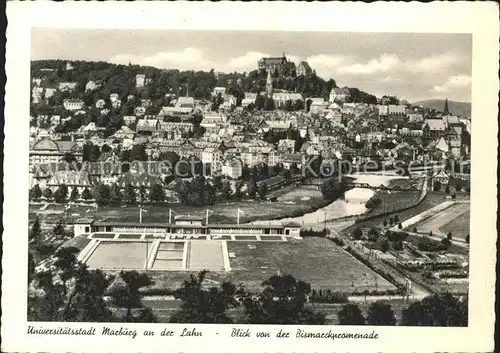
<point x="121" y="79"/>
<point x="457" y="108"/>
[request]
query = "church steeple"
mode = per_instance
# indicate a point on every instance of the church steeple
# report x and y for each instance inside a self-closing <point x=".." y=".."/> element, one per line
<point x="446" y="110"/>
<point x="269" y="85"/>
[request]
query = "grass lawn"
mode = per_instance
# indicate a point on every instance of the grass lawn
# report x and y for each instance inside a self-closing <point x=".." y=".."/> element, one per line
<point x="315" y="260"/>
<point x="459" y="226"/>
<point x="295" y="202"/>
<point x="79" y="242"/>
<point x="442" y="218"/>
<point x="432" y="199"/>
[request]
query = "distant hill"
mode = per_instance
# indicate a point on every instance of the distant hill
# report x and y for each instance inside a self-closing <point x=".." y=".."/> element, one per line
<point x="462" y="109"/>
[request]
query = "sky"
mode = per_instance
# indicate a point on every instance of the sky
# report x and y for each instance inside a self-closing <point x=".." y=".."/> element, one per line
<point x="409" y="65"/>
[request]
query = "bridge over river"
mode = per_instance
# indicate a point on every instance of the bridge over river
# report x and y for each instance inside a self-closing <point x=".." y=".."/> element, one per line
<point x="382" y="187"/>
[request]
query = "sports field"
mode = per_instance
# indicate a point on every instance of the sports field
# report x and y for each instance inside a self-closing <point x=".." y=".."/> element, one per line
<point x="111" y="255"/>
<point x="457" y="215"/>
<point x="315" y="260"/>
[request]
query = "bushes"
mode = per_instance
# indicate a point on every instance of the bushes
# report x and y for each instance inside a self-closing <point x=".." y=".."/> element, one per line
<point x="338" y="241"/>
<point x="396" y="236"/>
<point x="328" y="297"/>
<point x="156" y="291"/>
<point x="313" y="233"/>
<point x="446" y="242"/>
<point x="429" y="245"/>
<point x="373" y="202"/>
<point x="357" y="233"/>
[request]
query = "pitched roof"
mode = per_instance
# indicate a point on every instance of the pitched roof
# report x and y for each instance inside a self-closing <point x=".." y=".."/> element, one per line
<point x="435" y="124"/>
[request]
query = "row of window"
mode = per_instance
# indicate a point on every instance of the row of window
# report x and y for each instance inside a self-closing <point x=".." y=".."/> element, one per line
<point x="216" y="231"/>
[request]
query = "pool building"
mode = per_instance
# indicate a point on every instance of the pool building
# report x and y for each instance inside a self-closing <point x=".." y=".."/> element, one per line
<point x="186" y="226"/>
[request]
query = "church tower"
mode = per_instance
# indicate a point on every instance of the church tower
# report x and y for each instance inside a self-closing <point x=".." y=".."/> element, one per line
<point x="269" y="85"/>
<point x="446" y="110"/>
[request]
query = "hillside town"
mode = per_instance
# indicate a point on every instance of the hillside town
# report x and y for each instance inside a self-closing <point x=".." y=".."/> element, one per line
<point x="86" y="122"/>
<point x="264" y="178"/>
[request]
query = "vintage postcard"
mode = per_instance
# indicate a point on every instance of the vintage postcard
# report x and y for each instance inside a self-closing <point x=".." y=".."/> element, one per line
<point x="278" y="177"/>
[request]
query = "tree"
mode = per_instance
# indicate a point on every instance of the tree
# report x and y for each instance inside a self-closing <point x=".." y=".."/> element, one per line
<point x="130" y="197"/>
<point x="156" y="194"/>
<point x="35" y="192"/>
<point x="400" y="226"/>
<point x="74" y="194"/>
<point x="226" y="190"/>
<point x="59" y="228"/>
<point x="380" y="314"/>
<point x="86" y="301"/>
<point x="86" y="194"/>
<point x="282" y="301"/>
<point x="47" y="193"/>
<point x="391" y="221"/>
<point x="263" y="190"/>
<point x="36" y="230"/>
<point x="68" y="291"/>
<point x="385" y="222"/>
<point x="138" y="153"/>
<point x="31" y="267"/>
<point x="332" y="189"/>
<point x="115" y="198"/>
<point x="142" y="194"/>
<point x="396" y="219"/>
<point x="61" y="194"/>
<point x="398" y="245"/>
<point x="102" y="194"/>
<point x="437" y="310"/>
<point x="373" y="234"/>
<point x="446" y="242"/>
<point x="125" y="293"/>
<point x="385" y="246"/>
<point x="357" y="234"/>
<point x="251" y="187"/>
<point x="351" y="315"/>
<point x="204" y="305"/>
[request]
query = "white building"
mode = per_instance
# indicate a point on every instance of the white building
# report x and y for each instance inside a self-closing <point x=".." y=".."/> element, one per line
<point x="67" y="86"/>
<point x="211" y="156"/>
<point x="73" y="104"/>
<point x="338" y="94"/>
<point x="140" y="81"/>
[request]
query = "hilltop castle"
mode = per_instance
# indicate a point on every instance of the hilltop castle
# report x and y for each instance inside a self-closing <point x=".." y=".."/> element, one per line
<point x="280" y="66"/>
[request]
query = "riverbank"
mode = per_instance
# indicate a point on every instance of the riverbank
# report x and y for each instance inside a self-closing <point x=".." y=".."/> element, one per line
<point x="294" y="203"/>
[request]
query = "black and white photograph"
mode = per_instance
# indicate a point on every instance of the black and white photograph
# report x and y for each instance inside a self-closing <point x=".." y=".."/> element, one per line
<point x="248" y="177"/>
<point x="276" y="180"/>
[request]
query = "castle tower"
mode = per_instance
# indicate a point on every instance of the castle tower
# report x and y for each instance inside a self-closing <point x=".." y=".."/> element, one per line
<point x="269" y="85"/>
<point x="446" y="110"/>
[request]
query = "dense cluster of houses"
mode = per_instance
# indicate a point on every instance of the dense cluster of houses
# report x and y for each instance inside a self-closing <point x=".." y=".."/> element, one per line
<point x="234" y="137"/>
